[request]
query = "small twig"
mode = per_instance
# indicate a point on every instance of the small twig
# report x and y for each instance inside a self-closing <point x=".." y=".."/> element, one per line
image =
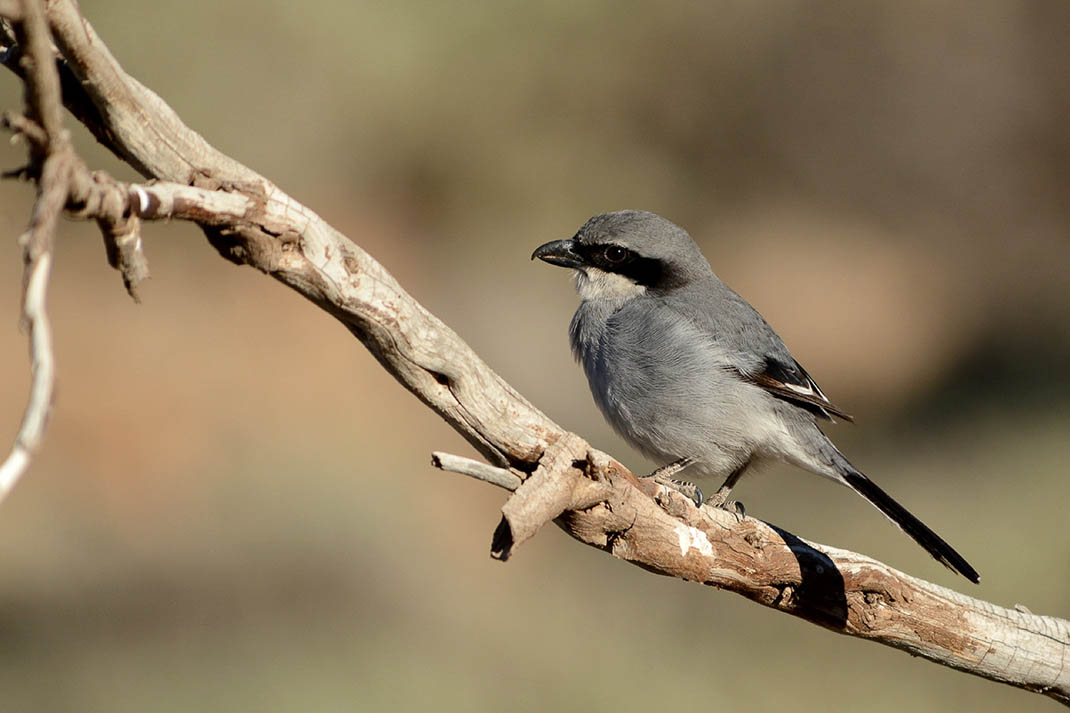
<point x="44" y="100"/>
<point x="118" y="207"/>
<point x="480" y="471"/>
<point x="125" y="251"/>
<point x="51" y="157"/>
<point x="20" y="124"/>
<point x="557" y="485"/>
<point x="37" y="256"/>
<point x="29" y="436"/>
<point x="98" y="196"/>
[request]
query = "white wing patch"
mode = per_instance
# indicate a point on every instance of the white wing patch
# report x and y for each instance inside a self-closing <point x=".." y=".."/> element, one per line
<point x="809" y="390"/>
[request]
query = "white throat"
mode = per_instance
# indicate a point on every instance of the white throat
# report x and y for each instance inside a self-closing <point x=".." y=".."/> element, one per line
<point x="595" y="284"/>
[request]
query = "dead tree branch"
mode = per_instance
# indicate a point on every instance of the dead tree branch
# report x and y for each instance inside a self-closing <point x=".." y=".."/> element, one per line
<point x="49" y="155"/>
<point x="556" y="476"/>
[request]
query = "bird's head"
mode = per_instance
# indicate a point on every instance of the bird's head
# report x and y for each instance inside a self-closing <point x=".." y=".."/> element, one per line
<point x="626" y="254"/>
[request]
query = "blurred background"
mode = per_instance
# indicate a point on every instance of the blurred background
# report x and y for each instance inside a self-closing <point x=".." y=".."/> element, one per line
<point x="234" y="509"/>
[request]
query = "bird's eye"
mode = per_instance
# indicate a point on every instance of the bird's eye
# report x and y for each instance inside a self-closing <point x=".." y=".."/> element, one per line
<point x="615" y="254"/>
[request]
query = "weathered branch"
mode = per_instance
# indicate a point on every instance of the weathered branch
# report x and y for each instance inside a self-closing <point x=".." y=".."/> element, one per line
<point x="502" y="477"/>
<point x="93" y="195"/>
<point x="48" y="162"/>
<point x="42" y="366"/>
<point x="556" y="475"/>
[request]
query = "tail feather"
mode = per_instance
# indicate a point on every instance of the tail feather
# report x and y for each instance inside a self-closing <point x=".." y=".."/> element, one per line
<point x="911" y="525"/>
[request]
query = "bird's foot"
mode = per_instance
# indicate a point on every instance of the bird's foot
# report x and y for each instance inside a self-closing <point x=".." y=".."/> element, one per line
<point x="736" y="508"/>
<point x="720" y="500"/>
<point x="663" y="476"/>
<point x="686" y="488"/>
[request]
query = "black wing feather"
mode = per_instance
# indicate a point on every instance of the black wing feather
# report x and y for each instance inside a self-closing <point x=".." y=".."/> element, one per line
<point x="791" y="383"/>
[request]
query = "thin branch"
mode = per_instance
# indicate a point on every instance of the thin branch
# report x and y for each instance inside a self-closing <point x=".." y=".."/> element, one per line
<point x="28" y="439"/>
<point x="590" y="495"/>
<point x="501" y="477"/>
<point x="22" y="125"/>
<point x="118" y="207"/>
<point x="50" y="160"/>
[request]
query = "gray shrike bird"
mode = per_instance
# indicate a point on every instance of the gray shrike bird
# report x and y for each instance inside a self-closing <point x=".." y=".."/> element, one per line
<point x="688" y="372"/>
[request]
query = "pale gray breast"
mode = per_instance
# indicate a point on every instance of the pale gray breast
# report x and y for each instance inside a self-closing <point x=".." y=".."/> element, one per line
<point x="659" y="382"/>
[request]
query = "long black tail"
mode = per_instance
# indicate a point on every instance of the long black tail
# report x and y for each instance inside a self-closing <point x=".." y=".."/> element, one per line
<point x="911" y="525"/>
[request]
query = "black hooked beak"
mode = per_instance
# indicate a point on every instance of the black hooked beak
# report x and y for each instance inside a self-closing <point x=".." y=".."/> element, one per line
<point x="559" y="252"/>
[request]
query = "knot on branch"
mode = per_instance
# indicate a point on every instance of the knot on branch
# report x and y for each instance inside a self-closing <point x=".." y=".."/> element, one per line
<point x="565" y="480"/>
<point x="90" y="195"/>
<point x="110" y="202"/>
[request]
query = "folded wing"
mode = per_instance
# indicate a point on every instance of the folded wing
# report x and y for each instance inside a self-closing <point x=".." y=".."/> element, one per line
<point x="791" y="383"/>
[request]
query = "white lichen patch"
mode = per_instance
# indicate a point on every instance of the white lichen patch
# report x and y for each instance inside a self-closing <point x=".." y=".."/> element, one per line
<point x="692" y="537"/>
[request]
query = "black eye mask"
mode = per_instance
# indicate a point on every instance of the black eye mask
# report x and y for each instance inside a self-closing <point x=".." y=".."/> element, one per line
<point x="645" y="271"/>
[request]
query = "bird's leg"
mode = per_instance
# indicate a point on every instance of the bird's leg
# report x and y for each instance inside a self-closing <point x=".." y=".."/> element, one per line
<point x="720" y="498"/>
<point x="663" y="476"/>
<point x="668" y="471"/>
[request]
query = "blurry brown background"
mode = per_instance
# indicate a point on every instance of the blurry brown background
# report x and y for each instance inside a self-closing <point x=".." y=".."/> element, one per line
<point x="234" y="509"/>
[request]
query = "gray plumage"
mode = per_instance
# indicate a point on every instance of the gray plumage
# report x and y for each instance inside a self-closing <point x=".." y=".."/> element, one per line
<point x="683" y="367"/>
